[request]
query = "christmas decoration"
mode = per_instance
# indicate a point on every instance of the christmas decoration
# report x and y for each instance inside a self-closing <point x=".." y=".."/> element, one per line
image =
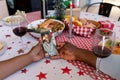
<point x="67" y="4"/>
<point x="59" y="9"/>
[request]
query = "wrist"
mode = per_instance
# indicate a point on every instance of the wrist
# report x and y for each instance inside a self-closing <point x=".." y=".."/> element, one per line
<point x="79" y="55"/>
<point x="87" y="57"/>
<point x="30" y="57"/>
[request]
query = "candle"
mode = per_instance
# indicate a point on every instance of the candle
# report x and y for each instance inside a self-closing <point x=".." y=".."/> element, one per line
<point x="70" y="27"/>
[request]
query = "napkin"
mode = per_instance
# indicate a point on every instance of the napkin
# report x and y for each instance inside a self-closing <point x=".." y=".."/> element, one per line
<point x="83" y="31"/>
<point x="107" y="24"/>
<point x="85" y="28"/>
<point x="22" y="13"/>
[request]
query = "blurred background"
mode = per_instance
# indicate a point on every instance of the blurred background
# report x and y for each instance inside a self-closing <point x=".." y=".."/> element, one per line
<point x="9" y="7"/>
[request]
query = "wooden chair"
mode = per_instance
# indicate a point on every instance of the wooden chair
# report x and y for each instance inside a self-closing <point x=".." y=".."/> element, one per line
<point x="104" y="8"/>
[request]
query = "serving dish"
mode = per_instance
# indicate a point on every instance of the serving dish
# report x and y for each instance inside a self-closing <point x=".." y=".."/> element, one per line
<point x="34" y="25"/>
<point x="13" y="20"/>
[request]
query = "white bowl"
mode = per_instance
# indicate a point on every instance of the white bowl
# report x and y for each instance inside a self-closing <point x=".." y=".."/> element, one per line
<point x="34" y="24"/>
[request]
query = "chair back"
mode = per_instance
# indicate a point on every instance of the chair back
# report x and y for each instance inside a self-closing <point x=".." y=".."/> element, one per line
<point x="104" y="8"/>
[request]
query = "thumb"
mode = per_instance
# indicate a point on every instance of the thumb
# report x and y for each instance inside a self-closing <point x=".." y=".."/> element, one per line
<point x="60" y="45"/>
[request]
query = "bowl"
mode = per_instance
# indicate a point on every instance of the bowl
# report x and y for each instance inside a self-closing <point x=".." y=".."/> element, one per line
<point x="34" y="25"/>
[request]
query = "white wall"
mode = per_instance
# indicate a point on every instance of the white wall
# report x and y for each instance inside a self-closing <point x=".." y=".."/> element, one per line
<point x="3" y="9"/>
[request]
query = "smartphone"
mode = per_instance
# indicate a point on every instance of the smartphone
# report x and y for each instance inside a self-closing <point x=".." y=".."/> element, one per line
<point x="49" y="43"/>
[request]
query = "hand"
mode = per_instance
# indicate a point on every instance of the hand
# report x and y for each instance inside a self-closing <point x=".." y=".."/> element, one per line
<point x="67" y="51"/>
<point x="37" y="52"/>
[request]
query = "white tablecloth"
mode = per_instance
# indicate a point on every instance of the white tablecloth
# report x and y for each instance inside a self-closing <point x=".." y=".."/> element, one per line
<point x="47" y="69"/>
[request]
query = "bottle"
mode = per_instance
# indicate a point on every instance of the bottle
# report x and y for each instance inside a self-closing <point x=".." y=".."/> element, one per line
<point x="43" y="7"/>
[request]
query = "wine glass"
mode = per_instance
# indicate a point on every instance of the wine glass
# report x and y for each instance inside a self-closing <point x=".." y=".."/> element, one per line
<point x="20" y="30"/>
<point x="103" y="44"/>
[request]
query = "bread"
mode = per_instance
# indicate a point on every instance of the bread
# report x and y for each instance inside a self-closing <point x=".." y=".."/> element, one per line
<point x="77" y="23"/>
<point x="90" y="25"/>
<point x="67" y="20"/>
<point x="83" y="21"/>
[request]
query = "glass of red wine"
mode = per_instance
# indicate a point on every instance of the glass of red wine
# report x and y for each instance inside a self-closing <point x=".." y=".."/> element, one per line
<point x="103" y="45"/>
<point x="20" y="30"/>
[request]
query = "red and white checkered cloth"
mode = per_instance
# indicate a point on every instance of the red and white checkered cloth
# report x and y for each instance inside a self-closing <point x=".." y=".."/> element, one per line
<point x="82" y="31"/>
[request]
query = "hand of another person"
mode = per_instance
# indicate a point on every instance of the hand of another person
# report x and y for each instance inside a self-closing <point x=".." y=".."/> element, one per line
<point x="37" y="52"/>
<point x="67" y="51"/>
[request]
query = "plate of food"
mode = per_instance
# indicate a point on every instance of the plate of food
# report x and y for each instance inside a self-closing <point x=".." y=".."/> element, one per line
<point x="13" y="20"/>
<point x="56" y="26"/>
<point x="3" y="47"/>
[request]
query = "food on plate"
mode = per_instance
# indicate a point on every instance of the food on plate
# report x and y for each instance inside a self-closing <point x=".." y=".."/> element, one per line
<point x="52" y="24"/>
<point x="1" y="45"/>
<point x="45" y="24"/>
<point x="13" y="19"/>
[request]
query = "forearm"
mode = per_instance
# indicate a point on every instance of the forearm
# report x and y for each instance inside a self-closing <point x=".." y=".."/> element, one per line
<point x="87" y="57"/>
<point x="12" y="65"/>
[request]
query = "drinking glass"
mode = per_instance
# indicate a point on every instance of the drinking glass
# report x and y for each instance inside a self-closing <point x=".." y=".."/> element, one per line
<point x="103" y="44"/>
<point x="20" y="30"/>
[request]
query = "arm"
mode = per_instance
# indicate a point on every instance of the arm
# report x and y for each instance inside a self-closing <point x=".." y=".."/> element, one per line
<point x="12" y="65"/>
<point x="87" y="57"/>
<point x="68" y="51"/>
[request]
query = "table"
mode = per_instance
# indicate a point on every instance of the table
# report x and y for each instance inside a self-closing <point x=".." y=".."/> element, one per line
<point x="47" y="69"/>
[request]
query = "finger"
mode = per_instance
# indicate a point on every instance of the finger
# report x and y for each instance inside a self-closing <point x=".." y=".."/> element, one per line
<point x="55" y="57"/>
<point x="60" y="45"/>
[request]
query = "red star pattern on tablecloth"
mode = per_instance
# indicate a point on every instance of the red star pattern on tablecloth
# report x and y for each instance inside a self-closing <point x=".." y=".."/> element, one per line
<point x="8" y="35"/>
<point x="24" y="70"/>
<point x="20" y="51"/>
<point x="9" y="48"/>
<point x="42" y="75"/>
<point x="80" y="73"/>
<point x="47" y="61"/>
<point x="66" y="70"/>
<point x="28" y="42"/>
